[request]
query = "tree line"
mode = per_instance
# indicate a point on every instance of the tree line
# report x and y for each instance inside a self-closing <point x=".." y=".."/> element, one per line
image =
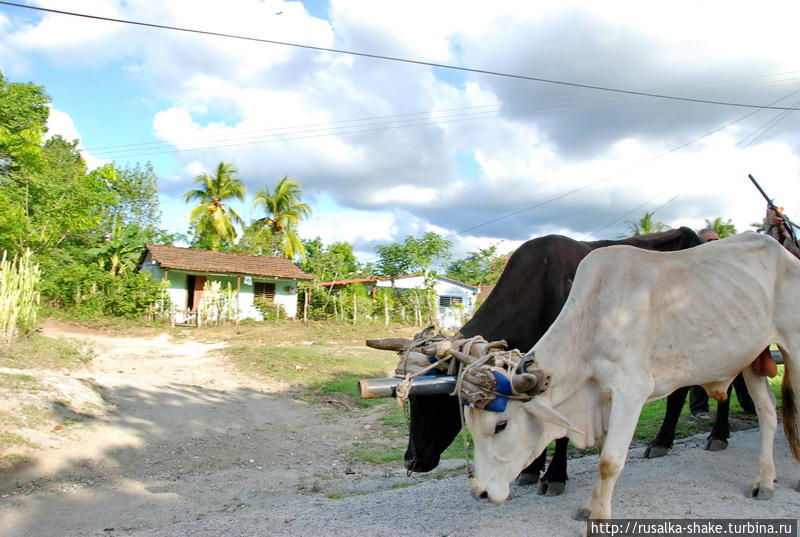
<point x="84" y="230"/>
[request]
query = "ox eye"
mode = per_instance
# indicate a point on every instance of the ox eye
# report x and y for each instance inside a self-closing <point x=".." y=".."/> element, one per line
<point x="500" y="427"/>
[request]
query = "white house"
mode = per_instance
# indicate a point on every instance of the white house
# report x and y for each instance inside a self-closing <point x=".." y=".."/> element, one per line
<point x="250" y="276"/>
<point x="455" y="300"/>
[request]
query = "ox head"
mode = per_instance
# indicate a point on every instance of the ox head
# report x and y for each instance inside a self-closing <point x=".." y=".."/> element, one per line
<point x="434" y="420"/>
<point x="508" y="436"/>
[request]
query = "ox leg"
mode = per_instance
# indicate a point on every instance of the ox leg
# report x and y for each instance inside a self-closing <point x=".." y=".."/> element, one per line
<point x="625" y="411"/>
<point x="554" y="481"/>
<point x="666" y="435"/>
<point x="745" y="401"/>
<point x="530" y="475"/>
<point x="763" y="486"/>
<point x="718" y="437"/>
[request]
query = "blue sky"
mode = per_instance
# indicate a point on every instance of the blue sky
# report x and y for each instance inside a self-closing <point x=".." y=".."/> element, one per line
<point x="384" y="149"/>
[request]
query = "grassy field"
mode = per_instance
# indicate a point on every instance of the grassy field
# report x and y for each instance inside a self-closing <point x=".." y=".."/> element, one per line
<point x="40" y="352"/>
<point x="315" y="358"/>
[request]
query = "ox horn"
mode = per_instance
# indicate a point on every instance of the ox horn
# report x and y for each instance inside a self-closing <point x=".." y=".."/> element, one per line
<point x="390" y="344"/>
<point x="531" y="383"/>
<point x="463" y="357"/>
<point x="440" y="348"/>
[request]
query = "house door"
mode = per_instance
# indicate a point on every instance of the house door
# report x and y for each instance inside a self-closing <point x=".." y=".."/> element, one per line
<point x="194" y="291"/>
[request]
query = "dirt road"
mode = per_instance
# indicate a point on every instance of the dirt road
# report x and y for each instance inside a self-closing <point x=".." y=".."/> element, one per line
<point x="192" y="448"/>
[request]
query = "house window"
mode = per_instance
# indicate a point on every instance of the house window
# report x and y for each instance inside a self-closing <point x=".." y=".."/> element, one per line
<point x="264" y="290"/>
<point x="450" y="301"/>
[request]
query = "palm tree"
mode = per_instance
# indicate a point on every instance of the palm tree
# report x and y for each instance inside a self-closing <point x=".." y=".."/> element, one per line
<point x="646" y="225"/>
<point x="212" y="217"/>
<point x="723" y="229"/>
<point x="284" y="210"/>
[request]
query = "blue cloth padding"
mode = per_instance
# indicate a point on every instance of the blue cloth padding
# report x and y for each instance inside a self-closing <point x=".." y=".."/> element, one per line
<point x="498" y="404"/>
<point x="434" y="371"/>
<point x="503" y="384"/>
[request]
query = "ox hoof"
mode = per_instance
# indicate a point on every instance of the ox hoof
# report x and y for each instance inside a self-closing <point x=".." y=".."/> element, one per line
<point x="797" y="487"/>
<point x="762" y="494"/>
<point x="582" y="514"/>
<point x="555" y="488"/>
<point x="715" y="444"/>
<point x="527" y="479"/>
<point x="653" y="452"/>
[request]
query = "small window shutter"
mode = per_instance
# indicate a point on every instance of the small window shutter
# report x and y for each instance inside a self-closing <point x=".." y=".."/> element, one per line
<point x="265" y="290"/>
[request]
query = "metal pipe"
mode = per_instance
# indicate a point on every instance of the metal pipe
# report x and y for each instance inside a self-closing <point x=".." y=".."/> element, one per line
<point x="424" y="385"/>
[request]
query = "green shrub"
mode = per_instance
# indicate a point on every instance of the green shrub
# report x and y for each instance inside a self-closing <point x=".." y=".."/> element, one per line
<point x="87" y="291"/>
<point x="19" y="296"/>
<point x="270" y="311"/>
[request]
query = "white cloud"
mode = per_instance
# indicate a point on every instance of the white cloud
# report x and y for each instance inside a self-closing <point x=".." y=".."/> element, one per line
<point x="384" y="139"/>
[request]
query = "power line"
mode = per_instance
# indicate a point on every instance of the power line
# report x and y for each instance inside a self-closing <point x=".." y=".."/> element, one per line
<point x="766" y="127"/>
<point x="759" y="132"/>
<point x="341" y="127"/>
<point x="481" y="111"/>
<point x="607" y="177"/>
<point x="398" y="59"/>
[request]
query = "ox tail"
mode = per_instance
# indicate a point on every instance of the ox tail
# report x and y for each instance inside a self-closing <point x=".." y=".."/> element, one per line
<point x="791" y="426"/>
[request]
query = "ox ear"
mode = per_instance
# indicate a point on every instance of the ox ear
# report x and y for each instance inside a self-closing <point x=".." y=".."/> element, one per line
<point x="545" y="413"/>
<point x="428" y="332"/>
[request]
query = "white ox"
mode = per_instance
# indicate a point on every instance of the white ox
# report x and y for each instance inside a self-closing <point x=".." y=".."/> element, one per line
<point x="638" y="325"/>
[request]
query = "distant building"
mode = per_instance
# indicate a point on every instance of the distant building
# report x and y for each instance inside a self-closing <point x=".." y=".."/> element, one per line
<point x="251" y="276"/>
<point x="455" y="301"/>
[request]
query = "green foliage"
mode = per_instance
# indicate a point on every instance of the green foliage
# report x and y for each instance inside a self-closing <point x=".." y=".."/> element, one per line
<point x="357" y="303"/>
<point x="88" y="291"/>
<point x="83" y="227"/>
<point x="121" y="249"/>
<point x="257" y="240"/>
<point x="646" y="225"/>
<point x="284" y="210"/>
<point x="722" y="228"/>
<point x="212" y="220"/>
<point x="333" y="262"/>
<point x="23" y="121"/>
<point x="135" y="203"/>
<point x="269" y="310"/>
<point x="44" y="208"/>
<point x="413" y="255"/>
<point x="23" y="106"/>
<point x="481" y="267"/>
<point x="19" y="296"/>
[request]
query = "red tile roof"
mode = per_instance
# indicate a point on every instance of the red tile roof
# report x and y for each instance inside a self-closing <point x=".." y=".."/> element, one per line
<point x="192" y="259"/>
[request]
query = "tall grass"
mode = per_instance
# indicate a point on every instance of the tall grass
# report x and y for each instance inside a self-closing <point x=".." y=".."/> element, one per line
<point x="19" y="296"/>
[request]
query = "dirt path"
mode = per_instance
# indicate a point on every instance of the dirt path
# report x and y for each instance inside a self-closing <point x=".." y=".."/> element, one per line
<point x="189" y="447"/>
<point x="186" y="437"/>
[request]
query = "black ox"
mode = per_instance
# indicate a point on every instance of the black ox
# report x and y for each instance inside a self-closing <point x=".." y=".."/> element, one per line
<point x="526" y="300"/>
